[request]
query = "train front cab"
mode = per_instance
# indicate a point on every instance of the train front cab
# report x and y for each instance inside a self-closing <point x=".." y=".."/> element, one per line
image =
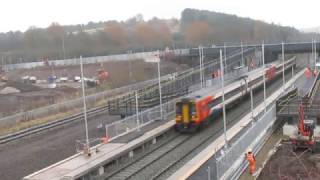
<point x="185" y="116"/>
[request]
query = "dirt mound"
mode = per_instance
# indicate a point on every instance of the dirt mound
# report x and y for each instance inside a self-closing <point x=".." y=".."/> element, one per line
<point x="9" y="90"/>
<point x="23" y="87"/>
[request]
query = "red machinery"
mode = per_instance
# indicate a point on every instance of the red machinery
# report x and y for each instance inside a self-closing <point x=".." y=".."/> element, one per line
<point x="102" y="76"/>
<point x="304" y="138"/>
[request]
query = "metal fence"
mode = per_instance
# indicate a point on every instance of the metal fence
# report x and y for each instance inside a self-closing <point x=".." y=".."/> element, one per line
<point x="94" y="99"/>
<point x="229" y="161"/>
<point x="75" y="104"/>
<point x="178" y="85"/>
<point x="132" y="123"/>
<point x="92" y="60"/>
<point x="135" y="122"/>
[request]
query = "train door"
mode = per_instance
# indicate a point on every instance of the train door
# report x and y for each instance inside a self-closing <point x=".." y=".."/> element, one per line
<point x="185" y="110"/>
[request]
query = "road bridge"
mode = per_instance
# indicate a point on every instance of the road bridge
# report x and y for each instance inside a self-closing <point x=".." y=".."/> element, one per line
<point x="271" y="50"/>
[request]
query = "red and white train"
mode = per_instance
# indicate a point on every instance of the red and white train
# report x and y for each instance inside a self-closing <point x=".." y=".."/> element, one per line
<point x="197" y="109"/>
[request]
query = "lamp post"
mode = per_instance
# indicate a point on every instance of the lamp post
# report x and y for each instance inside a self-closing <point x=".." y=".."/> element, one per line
<point x="160" y="94"/>
<point x="200" y="66"/>
<point x="315" y="54"/>
<point x="283" y="77"/>
<point x="137" y="111"/>
<point x="84" y="106"/>
<point x="242" y="60"/>
<point x="251" y="102"/>
<point x="223" y="103"/>
<point x="264" y="79"/>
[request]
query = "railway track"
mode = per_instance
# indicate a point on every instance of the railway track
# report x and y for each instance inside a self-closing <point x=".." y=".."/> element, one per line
<point x="162" y="161"/>
<point x="40" y="128"/>
<point x="43" y="127"/>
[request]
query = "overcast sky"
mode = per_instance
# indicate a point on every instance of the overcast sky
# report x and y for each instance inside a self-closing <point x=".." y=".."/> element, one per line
<point x="21" y="14"/>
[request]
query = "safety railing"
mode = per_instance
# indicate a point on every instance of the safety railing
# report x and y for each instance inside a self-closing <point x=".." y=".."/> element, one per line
<point x="226" y="161"/>
<point x="177" y="86"/>
<point x="145" y="117"/>
<point x="135" y="122"/>
<point x="290" y="104"/>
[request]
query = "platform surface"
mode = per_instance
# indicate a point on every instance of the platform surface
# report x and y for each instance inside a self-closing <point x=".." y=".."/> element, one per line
<point x="190" y="167"/>
<point x="78" y="164"/>
<point x="73" y="163"/>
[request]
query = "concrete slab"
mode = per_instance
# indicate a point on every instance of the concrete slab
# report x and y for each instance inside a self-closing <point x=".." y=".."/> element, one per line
<point x="73" y="163"/>
<point x="79" y="164"/>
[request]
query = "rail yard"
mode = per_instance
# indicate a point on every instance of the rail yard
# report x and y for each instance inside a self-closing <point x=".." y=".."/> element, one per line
<point x="206" y="96"/>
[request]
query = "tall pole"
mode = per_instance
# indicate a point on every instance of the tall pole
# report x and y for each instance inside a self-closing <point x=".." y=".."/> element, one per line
<point x="225" y="53"/>
<point x="251" y="103"/>
<point x="200" y="66"/>
<point x="203" y="70"/>
<point x="223" y="103"/>
<point x="264" y="79"/>
<point x="315" y="54"/>
<point x="312" y="47"/>
<point x="283" y="77"/>
<point x="84" y="106"/>
<point x="137" y="111"/>
<point x="160" y="95"/>
<point x="242" y="61"/>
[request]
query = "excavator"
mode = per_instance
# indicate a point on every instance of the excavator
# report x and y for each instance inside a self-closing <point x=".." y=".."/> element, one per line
<point x="305" y="137"/>
<point x="101" y="78"/>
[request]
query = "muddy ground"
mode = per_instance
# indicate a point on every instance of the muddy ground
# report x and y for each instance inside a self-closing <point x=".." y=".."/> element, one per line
<point x="287" y="164"/>
<point x="34" y="96"/>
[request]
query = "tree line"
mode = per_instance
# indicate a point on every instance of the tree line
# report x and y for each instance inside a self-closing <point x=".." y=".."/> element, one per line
<point x="135" y="35"/>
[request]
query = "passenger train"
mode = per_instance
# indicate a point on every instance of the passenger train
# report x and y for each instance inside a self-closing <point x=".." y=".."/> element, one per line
<point x="199" y="108"/>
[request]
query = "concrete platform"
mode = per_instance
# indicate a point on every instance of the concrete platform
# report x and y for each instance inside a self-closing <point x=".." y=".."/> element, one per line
<point x="191" y="167"/>
<point x="76" y="163"/>
<point x="80" y="164"/>
<point x="252" y="75"/>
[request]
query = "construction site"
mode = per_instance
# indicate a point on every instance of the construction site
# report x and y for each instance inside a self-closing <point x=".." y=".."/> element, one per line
<point x="159" y="90"/>
<point x="293" y="151"/>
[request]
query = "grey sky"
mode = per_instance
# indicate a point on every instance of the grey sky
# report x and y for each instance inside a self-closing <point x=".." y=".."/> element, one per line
<point x="21" y="14"/>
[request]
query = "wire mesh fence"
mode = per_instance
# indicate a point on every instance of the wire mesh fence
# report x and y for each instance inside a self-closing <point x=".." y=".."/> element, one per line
<point x="70" y="106"/>
<point x="135" y="122"/>
<point x="189" y="80"/>
<point x="226" y="163"/>
<point x="179" y="85"/>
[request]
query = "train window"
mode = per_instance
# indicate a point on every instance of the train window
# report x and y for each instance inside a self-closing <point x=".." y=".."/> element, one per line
<point x="178" y="108"/>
